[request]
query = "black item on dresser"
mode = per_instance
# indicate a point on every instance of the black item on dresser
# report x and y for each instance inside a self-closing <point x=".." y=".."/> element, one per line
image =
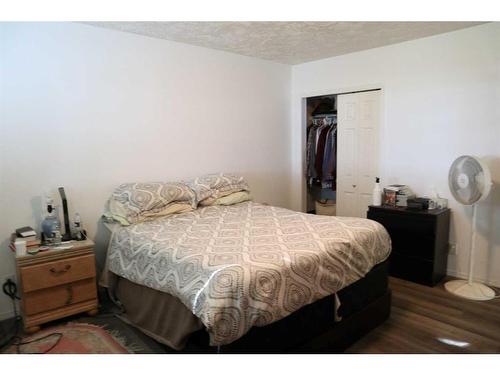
<point x="419" y="242"/>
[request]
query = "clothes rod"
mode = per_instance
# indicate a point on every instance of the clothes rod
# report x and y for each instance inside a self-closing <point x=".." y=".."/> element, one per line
<point x="328" y="115"/>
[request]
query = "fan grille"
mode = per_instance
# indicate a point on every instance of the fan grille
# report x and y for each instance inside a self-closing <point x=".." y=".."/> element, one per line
<point x="466" y="180"/>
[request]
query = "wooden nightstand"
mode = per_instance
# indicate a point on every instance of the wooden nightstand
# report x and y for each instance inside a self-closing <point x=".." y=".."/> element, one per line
<point x="57" y="283"/>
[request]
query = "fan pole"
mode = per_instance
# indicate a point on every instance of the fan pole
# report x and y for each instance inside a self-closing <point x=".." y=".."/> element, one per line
<point x="472" y="244"/>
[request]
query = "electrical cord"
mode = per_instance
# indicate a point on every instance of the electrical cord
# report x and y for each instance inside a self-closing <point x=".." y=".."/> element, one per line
<point x="10" y="289"/>
<point x="59" y="336"/>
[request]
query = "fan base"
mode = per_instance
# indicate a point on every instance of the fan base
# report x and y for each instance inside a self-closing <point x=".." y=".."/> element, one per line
<point x="474" y="291"/>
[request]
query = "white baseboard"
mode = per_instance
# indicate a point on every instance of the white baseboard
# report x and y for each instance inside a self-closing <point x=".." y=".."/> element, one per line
<point x="6" y="314"/>
<point x="463" y="275"/>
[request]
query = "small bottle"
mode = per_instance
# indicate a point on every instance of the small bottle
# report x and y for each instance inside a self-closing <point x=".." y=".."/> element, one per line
<point x="77" y="227"/>
<point x="377" y="193"/>
<point x="433" y="198"/>
<point x="56" y="232"/>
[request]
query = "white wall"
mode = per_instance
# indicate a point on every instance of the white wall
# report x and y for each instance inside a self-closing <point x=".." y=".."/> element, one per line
<point x="88" y="108"/>
<point x="441" y="100"/>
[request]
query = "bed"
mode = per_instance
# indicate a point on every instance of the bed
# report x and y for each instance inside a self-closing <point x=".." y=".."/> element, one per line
<point x="250" y="278"/>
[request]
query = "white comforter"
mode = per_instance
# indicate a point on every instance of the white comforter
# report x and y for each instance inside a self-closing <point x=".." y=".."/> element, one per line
<point x="247" y="265"/>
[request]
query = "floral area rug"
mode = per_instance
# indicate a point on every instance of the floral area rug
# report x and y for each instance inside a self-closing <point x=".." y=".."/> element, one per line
<point x="72" y="338"/>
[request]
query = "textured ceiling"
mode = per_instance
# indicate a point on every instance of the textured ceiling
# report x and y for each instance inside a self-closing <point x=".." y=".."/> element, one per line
<point x="288" y="42"/>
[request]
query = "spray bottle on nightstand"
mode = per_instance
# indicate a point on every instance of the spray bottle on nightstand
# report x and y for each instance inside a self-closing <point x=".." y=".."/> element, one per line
<point x="377" y="193"/>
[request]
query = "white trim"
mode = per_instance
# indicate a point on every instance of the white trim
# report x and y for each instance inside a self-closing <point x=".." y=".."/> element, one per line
<point x="6" y="314"/>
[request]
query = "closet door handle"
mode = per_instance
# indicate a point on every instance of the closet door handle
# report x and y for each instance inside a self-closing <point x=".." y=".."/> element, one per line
<point x="353" y="186"/>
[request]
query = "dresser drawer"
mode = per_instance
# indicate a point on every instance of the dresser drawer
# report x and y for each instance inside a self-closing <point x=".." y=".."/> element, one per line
<point x="58" y="272"/>
<point x="47" y="299"/>
<point x="406" y="243"/>
<point x="412" y="269"/>
<point x="411" y="224"/>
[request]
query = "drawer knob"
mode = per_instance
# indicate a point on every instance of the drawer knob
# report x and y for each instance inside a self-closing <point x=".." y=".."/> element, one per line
<point x="61" y="271"/>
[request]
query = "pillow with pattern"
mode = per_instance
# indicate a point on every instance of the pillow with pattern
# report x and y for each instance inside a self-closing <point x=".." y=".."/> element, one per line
<point x="135" y="202"/>
<point x="213" y="186"/>
<point x="228" y="200"/>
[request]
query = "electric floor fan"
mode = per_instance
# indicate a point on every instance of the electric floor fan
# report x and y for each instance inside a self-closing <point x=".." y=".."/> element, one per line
<point x="470" y="182"/>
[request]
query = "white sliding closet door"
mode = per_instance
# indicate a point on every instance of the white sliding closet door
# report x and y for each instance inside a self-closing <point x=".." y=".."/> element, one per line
<point x="357" y="151"/>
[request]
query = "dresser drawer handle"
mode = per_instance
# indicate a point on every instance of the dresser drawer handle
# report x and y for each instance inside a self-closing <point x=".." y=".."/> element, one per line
<point x="69" y="300"/>
<point x="60" y="272"/>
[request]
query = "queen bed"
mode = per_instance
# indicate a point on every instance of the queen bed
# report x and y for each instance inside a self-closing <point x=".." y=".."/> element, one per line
<point x="248" y="277"/>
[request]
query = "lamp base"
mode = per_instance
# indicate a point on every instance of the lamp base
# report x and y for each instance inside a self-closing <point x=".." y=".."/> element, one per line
<point x="474" y="291"/>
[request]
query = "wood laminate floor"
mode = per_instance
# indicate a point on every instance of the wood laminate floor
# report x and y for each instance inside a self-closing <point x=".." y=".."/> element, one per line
<point x="423" y="320"/>
<point x="431" y="320"/>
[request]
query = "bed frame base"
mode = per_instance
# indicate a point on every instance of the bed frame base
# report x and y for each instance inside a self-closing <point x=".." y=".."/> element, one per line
<point x="334" y="340"/>
<point x="350" y="330"/>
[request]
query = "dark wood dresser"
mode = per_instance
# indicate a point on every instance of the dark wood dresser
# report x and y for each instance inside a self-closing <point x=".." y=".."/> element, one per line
<point x="419" y="242"/>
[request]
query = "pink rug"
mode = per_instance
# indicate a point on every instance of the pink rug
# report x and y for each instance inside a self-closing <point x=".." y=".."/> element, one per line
<point x="74" y="338"/>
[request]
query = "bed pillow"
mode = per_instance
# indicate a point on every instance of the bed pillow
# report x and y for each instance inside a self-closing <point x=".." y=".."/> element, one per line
<point x="234" y="198"/>
<point x="210" y="187"/>
<point x="131" y="203"/>
<point x="211" y="200"/>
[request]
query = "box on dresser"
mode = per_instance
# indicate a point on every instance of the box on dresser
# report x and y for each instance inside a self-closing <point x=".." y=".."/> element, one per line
<point x="57" y="283"/>
<point x="419" y="242"/>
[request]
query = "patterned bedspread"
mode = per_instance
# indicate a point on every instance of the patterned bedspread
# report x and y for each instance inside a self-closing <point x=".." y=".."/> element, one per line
<point x="247" y="265"/>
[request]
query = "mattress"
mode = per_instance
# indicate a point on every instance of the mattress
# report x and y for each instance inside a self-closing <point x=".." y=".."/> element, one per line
<point x="235" y="267"/>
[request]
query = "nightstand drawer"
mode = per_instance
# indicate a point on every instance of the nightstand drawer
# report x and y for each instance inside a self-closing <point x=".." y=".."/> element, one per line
<point x="58" y="272"/>
<point x="59" y="296"/>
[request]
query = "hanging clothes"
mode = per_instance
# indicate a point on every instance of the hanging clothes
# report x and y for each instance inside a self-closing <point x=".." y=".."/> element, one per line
<point x="328" y="158"/>
<point x="320" y="151"/>
<point x="321" y="155"/>
<point x="311" y="152"/>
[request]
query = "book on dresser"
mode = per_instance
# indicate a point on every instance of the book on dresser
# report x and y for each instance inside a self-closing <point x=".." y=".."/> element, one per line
<point x="419" y="242"/>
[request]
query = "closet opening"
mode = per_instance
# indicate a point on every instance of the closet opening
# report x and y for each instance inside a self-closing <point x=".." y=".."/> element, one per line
<point x="341" y="151"/>
<point x="321" y="154"/>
